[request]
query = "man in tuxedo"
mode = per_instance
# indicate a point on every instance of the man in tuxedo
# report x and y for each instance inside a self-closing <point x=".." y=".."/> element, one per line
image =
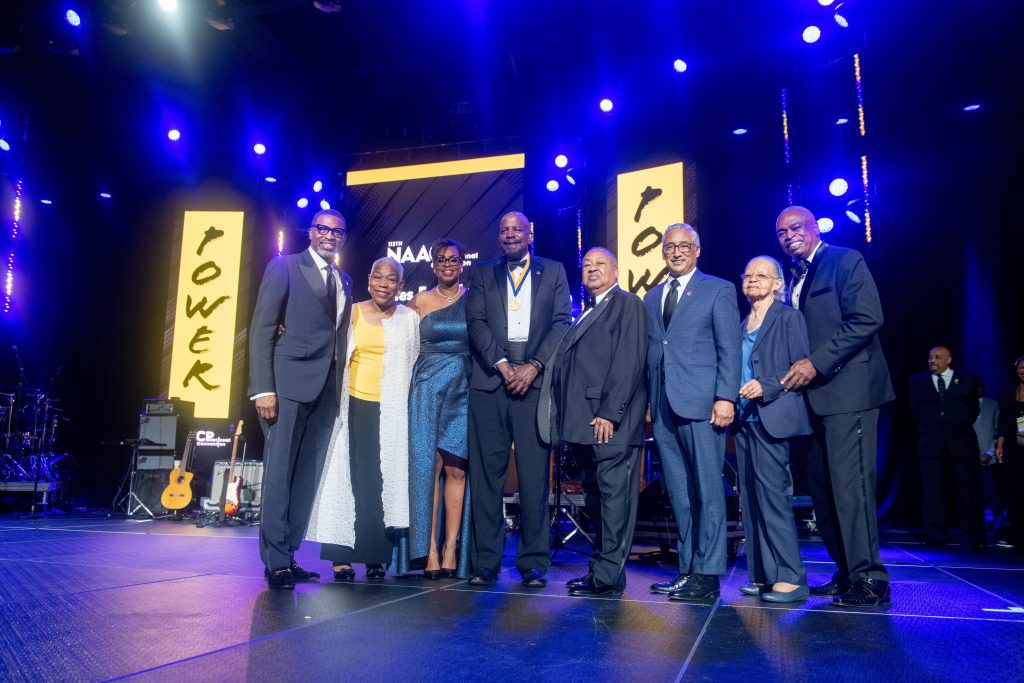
<point x="945" y="405"/>
<point x="593" y="399"/>
<point x="517" y="310"/>
<point x="295" y="383"/>
<point x="847" y="381"/>
<point x="693" y="381"/>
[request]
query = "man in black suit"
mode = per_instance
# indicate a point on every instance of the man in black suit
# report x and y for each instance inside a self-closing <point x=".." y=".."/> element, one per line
<point x="847" y="381"/>
<point x="517" y="309"/>
<point x="593" y="398"/>
<point x="945" y="405"/>
<point x="296" y="386"/>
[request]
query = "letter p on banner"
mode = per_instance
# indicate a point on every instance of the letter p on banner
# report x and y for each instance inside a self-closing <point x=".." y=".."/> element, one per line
<point x="649" y="200"/>
<point x="206" y="309"/>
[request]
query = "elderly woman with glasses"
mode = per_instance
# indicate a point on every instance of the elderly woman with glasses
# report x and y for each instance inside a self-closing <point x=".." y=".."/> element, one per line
<point x="774" y="337"/>
<point x="362" y="503"/>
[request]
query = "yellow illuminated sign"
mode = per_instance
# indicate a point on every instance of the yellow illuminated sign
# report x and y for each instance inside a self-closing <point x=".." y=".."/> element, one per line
<point x="649" y="201"/>
<point x="204" y="318"/>
<point x="436" y="170"/>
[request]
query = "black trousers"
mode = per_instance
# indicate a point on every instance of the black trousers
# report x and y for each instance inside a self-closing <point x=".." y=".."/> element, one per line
<point x="293" y="460"/>
<point x="841" y="475"/>
<point x="962" y="476"/>
<point x="496" y="421"/>
<point x="611" y="481"/>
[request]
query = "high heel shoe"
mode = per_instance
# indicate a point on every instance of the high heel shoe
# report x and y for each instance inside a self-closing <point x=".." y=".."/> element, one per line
<point x="374" y="572"/>
<point x="345" y="575"/>
<point x="433" y="574"/>
<point x="449" y="573"/>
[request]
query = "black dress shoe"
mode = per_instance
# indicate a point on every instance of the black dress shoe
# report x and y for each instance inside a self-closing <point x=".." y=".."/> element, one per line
<point x="374" y="572"/>
<point x="533" y="578"/>
<point x="281" y="578"/>
<point x="666" y="587"/>
<point x="345" y="575"/>
<point x="699" y="588"/>
<point x="482" y="577"/>
<point x="580" y="580"/>
<point x="828" y="590"/>
<point x="303" y="575"/>
<point x="754" y="589"/>
<point x="595" y="589"/>
<point x="865" y="593"/>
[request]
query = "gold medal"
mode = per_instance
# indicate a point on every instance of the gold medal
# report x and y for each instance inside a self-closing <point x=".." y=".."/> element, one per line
<point x="513" y="305"/>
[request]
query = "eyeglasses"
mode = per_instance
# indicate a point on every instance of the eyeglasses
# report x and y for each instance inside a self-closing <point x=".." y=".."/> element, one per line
<point x="682" y="247"/>
<point x="323" y="230"/>
<point x="757" y="277"/>
<point x="448" y="261"/>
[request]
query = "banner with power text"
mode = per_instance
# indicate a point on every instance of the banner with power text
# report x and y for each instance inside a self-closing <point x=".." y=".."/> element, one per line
<point x="648" y="201"/>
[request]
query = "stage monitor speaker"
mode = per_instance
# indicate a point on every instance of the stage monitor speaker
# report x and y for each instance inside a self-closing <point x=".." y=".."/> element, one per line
<point x="157" y="460"/>
<point x="163" y="429"/>
<point x="251" y="473"/>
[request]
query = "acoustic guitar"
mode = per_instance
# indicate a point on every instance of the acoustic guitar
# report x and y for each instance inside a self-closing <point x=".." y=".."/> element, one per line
<point x="178" y="493"/>
<point x="233" y="491"/>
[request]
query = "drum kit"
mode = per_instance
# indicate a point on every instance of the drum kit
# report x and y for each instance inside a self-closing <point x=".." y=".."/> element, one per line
<point x="31" y="419"/>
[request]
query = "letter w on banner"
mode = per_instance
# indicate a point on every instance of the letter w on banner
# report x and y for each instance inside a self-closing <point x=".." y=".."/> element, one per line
<point x="649" y="201"/>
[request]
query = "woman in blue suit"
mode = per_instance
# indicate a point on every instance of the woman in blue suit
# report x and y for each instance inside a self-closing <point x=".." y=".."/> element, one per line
<point x="774" y="337"/>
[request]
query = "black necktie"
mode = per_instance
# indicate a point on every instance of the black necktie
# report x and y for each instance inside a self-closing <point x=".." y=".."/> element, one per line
<point x="512" y="265"/>
<point x="797" y="273"/>
<point x="332" y="293"/>
<point x="670" y="302"/>
<point x="941" y="383"/>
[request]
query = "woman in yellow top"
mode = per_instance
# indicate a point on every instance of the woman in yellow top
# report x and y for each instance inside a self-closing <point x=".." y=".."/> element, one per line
<point x="362" y="503"/>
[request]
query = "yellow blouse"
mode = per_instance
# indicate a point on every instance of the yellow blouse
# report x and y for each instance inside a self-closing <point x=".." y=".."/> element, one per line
<point x="366" y="368"/>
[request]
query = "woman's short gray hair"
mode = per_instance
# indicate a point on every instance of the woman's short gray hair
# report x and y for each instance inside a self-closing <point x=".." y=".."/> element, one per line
<point x="391" y="262"/>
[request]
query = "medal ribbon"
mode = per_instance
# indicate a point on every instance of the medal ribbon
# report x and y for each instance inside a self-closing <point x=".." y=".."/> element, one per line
<point x="518" y="286"/>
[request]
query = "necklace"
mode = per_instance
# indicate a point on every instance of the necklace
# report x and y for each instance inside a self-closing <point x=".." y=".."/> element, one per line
<point x="449" y="299"/>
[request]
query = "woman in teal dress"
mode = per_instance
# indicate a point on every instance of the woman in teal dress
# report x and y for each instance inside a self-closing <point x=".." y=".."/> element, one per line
<point x="438" y="423"/>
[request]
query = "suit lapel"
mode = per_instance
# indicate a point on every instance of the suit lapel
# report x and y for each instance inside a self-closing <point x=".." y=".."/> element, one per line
<point x="655" y="300"/>
<point x="502" y="281"/>
<point x="685" y="296"/>
<point x="812" y="270"/>
<point x="536" y="273"/>
<point x="769" y="319"/>
<point x="313" y="278"/>
<point x="580" y="328"/>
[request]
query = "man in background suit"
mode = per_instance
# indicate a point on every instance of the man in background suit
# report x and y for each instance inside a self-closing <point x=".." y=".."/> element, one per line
<point x="296" y="386"/>
<point x="593" y="398"/>
<point x="847" y="381"/>
<point x="693" y="380"/>
<point x="945" y="405"/>
<point x="517" y="310"/>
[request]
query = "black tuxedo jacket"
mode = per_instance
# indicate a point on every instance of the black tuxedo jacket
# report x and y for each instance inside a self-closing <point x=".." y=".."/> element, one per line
<point x="295" y="365"/>
<point x="945" y="423"/>
<point x="843" y="313"/>
<point x="598" y="371"/>
<point x="487" y="316"/>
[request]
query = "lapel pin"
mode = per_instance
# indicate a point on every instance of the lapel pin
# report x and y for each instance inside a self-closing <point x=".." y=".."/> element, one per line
<point x="689" y="294"/>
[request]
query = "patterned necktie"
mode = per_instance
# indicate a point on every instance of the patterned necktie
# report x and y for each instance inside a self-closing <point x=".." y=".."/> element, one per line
<point x="332" y="293"/>
<point x="941" y="383"/>
<point x="797" y="273"/>
<point x="670" y="302"/>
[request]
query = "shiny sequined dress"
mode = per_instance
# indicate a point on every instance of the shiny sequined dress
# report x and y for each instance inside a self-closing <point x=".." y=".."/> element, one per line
<point x="438" y="420"/>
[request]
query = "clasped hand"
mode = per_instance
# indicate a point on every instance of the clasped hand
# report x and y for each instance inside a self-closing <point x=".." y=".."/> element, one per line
<point x="518" y="378"/>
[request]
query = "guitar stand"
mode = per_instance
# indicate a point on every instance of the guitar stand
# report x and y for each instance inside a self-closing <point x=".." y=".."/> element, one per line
<point x="562" y="513"/>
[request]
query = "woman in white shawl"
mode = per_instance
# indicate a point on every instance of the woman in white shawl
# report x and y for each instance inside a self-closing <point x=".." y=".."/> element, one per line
<point x="362" y="501"/>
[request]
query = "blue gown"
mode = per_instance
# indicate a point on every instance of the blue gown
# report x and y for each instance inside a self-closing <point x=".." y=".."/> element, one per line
<point x="438" y="420"/>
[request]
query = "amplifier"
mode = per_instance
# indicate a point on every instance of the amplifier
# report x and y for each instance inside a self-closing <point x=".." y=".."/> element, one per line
<point x="157" y="461"/>
<point x="169" y="406"/>
<point x="251" y="473"/>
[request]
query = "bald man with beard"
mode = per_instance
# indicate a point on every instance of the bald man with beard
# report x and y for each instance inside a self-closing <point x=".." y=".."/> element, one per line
<point x="847" y="381"/>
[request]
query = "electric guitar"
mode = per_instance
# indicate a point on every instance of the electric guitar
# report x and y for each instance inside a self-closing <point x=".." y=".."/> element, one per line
<point x="178" y="493"/>
<point x="233" y="490"/>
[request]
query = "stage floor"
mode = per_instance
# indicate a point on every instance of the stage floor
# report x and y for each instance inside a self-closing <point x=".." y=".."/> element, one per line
<point x="87" y="598"/>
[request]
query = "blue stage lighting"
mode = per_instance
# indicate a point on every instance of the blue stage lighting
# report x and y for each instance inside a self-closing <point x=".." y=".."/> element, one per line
<point x="842" y="121"/>
<point x="679" y="65"/>
<point x="324" y="204"/>
<point x="104" y="195"/>
<point x="972" y="107"/>
<point x="841" y="20"/>
<point x="561" y="161"/>
<point x="811" y="34"/>
<point x="853" y="216"/>
<point x="568" y="177"/>
<point x="259" y="148"/>
<point x="838" y="187"/>
<point x="552" y="185"/>
<point x="302" y="203"/>
<point x="825" y="3"/>
<point x="606" y="105"/>
<point x="168" y="5"/>
<point x="4" y="145"/>
<point x="826" y="224"/>
<point x="317" y="186"/>
<point x="270" y="179"/>
<point x="739" y="131"/>
<point x="46" y="201"/>
<point x="174" y="135"/>
<point x="72" y="18"/>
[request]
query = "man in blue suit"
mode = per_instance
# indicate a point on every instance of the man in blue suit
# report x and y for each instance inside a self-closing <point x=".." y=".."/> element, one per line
<point x="693" y="379"/>
<point x="295" y="384"/>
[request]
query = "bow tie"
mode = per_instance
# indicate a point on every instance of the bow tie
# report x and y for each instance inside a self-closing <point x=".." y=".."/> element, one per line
<point x="512" y="265"/>
<point x="799" y="268"/>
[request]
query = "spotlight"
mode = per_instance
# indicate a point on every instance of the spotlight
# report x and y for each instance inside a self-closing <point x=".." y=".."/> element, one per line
<point x="679" y="65"/>
<point x="219" y="17"/>
<point x="826" y="224"/>
<point x="45" y="201"/>
<point x="552" y="185"/>
<point x="324" y="204"/>
<point x="811" y="34"/>
<point x="972" y="107"/>
<point x="259" y="148"/>
<point x="841" y="20"/>
<point x="4" y="145"/>
<point x="825" y="3"/>
<point x="317" y="186"/>
<point x="168" y="5"/>
<point x="561" y="161"/>
<point x="327" y="6"/>
<point x="174" y="135"/>
<point x="838" y="187"/>
<point x="302" y="203"/>
<point x="739" y="131"/>
<point x="270" y="179"/>
<point x="841" y="121"/>
<point x="568" y="176"/>
<point x="72" y="18"/>
<point x="606" y="105"/>
<point x="104" y="195"/>
<point x="853" y="217"/>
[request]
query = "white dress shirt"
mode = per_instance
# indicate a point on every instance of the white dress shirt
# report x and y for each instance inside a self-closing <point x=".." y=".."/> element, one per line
<point x="799" y="285"/>
<point x="519" y="321"/>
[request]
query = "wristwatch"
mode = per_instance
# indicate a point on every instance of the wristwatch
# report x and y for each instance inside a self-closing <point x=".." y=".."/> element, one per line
<point x="537" y="364"/>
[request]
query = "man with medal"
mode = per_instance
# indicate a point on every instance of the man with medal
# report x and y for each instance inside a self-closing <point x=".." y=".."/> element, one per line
<point x="517" y="310"/>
